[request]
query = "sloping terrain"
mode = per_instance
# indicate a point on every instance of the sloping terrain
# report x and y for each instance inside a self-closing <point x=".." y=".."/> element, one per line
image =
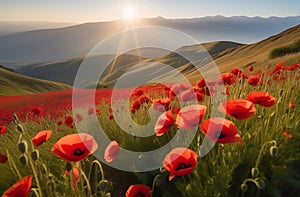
<point x="225" y="54"/>
<point x="12" y="83"/>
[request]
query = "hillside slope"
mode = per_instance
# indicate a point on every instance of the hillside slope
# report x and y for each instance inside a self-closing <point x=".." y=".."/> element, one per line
<point x="12" y="83"/>
<point x="256" y="54"/>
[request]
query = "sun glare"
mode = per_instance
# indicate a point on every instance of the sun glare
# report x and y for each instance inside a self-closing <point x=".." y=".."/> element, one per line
<point x="128" y="13"/>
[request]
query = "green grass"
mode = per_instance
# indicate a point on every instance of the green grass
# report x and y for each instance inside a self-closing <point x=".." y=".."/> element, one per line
<point x="285" y="50"/>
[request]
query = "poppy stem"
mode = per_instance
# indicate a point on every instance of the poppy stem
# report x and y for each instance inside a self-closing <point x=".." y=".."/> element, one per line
<point x="36" y="177"/>
<point x="96" y="162"/>
<point x="87" y="181"/>
<point x="153" y="185"/>
<point x="260" y="154"/>
<point x="12" y="164"/>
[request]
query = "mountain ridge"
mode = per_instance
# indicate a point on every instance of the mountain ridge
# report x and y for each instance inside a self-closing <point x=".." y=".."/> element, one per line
<point x="78" y="40"/>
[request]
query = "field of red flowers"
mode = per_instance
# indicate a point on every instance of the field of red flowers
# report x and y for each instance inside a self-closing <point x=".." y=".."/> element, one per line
<point x="253" y="141"/>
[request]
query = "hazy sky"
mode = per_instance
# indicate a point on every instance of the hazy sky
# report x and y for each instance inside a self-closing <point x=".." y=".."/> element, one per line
<point x="99" y="10"/>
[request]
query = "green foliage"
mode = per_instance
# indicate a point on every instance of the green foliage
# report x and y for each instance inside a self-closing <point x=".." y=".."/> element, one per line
<point x="285" y="50"/>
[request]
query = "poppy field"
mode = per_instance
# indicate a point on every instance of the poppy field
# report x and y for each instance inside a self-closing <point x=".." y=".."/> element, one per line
<point x="253" y="143"/>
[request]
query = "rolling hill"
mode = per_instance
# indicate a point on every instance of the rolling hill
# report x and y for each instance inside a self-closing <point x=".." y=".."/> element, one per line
<point x="63" y="43"/>
<point x="12" y="83"/>
<point x="65" y="71"/>
<point x="225" y="54"/>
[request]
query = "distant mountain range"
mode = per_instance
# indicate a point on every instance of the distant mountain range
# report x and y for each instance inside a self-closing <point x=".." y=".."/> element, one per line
<point x="76" y="41"/>
<point x="225" y="54"/>
<point x="10" y="27"/>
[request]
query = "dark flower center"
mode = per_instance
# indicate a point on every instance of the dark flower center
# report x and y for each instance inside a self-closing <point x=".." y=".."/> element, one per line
<point x="235" y="115"/>
<point x="139" y="194"/>
<point x="78" y="152"/>
<point x="219" y="134"/>
<point x="183" y="166"/>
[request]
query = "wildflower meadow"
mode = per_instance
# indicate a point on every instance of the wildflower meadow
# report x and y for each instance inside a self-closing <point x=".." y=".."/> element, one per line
<point x="254" y="140"/>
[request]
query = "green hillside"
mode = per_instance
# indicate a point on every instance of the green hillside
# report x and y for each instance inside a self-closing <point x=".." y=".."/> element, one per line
<point x="12" y="83"/>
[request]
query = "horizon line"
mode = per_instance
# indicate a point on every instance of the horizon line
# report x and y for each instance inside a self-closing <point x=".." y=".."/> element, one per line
<point x="138" y="18"/>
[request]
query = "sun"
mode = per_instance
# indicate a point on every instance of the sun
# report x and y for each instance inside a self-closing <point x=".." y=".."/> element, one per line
<point x="129" y="13"/>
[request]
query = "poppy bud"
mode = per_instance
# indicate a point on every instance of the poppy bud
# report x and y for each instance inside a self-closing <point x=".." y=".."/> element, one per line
<point x="281" y="92"/>
<point x="273" y="151"/>
<point x="35" y="155"/>
<point x="105" y="185"/>
<point x="254" y="172"/>
<point x="24" y="160"/>
<point x="244" y="187"/>
<point x="22" y="146"/>
<point x="20" y="128"/>
<point x="260" y="184"/>
<point x="16" y="118"/>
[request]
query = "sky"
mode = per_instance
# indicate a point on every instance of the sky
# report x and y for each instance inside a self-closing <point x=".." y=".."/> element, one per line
<point x="78" y="11"/>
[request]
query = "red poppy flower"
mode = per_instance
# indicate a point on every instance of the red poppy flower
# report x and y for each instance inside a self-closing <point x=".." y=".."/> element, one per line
<point x="221" y="130"/>
<point x="161" y="105"/>
<point x="201" y="83"/>
<point x="2" y="129"/>
<point x="75" y="147"/>
<point x="135" y="106"/>
<point x="243" y="76"/>
<point x="187" y="95"/>
<point x="59" y="123"/>
<point x="278" y="68"/>
<point x="164" y="122"/>
<point x="20" y="188"/>
<point x="227" y="79"/>
<point x="111" y="117"/>
<point x="180" y="162"/>
<point x="139" y="92"/>
<point x="91" y="111"/>
<point x="250" y="68"/>
<point x="210" y="90"/>
<point x="138" y="190"/>
<point x="291" y="104"/>
<point x="262" y="98"/>
<point x="68" y="120"/>
<point x="78" y="117"/>
<point x="36" y="110"/>
<point x="253" y="80"/>
<point x="293" y="66"/>
<point x="112" y="151"/>
<point x="287" y="134"/>
<point x="190" y="116"/>
<point x="199" y="93"/>
<point x="41" y="137"/>
<point x="238" y="108"/>
<point x="75" y="176"/>
<point x="144" y="99"/>
<point x="235" y="71"/>
<point x="179" y="87"/>
<point x="3" y="158"/>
